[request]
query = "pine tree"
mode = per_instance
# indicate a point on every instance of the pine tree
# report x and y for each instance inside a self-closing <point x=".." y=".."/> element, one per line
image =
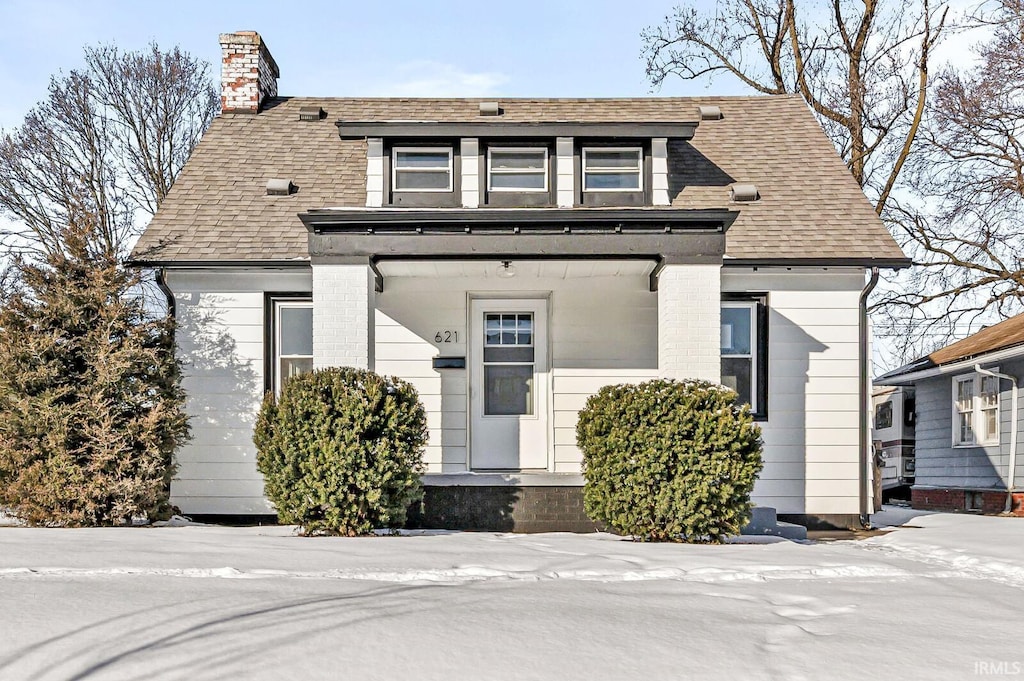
<point x="91" y="404"/>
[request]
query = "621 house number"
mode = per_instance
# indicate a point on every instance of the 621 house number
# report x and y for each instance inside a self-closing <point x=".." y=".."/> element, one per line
<point x="446" y="337"/>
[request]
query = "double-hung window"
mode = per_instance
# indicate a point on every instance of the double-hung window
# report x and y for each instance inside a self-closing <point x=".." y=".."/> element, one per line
<point x="975" y="410"/>
<point x="517" y="169"/>
<point x="290" y="334"/>
<point x="612" y="169"/>
<point x="744" y="348"/>
<point x="421" y="169"/>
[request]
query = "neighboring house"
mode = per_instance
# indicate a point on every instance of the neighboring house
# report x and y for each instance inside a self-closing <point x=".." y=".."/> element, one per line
<point x="968" y="422"/>
<point x="510" y="258"/>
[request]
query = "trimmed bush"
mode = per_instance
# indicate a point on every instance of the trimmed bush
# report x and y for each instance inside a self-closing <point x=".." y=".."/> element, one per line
<point x="669" y="460"/>
<point x="341" y="450"/>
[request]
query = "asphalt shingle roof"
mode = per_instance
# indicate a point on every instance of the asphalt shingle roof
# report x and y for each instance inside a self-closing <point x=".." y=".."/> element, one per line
<point x="810" y="206"/>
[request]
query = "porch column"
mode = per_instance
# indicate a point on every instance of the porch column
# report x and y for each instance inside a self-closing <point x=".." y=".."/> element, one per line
<point x="689" y="321"/>
<point x="343" y="315"/>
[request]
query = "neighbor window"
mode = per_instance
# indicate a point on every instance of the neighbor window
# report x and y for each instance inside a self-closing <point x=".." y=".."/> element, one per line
<point x="421" y="169"/>
<point x="975" y="410"/>
<point x="612" y="169"/>
<point x="291" y="339"/>
<point x="511" y="169"/>
<point x="744" y="346"/>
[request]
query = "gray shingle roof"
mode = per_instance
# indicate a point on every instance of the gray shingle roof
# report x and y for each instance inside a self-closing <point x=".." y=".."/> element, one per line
<point x="810" y="206"/>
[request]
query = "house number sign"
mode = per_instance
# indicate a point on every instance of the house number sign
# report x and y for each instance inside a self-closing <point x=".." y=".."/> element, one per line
<point x="448" y="336"/>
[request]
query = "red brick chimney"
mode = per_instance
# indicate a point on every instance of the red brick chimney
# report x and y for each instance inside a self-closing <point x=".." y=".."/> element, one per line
<point x="248" y="73"/>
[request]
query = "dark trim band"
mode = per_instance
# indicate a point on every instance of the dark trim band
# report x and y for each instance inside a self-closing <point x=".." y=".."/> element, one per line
<point x="396" y="130"/>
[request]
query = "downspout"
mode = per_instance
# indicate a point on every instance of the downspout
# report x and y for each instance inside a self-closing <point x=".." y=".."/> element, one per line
<point x="862" y="458"/>
<point x="161" y="282"/>
<point x="1012" y="466"/>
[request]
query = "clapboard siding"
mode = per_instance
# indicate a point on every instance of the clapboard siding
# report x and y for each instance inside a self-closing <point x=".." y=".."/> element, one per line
<point x="939" y="463"/>
<point x="588" y="348"/>
<point x="811" y="435"/>
<point x="220" y="342"/>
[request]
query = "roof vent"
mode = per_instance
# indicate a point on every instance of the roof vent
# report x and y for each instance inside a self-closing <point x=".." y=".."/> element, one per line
<point x="490" y="109"/>
<point x="311" y="113"/>
<point x="278" y="187"/>
<point x="743" y="193"/>
<point x="710" y="113"/>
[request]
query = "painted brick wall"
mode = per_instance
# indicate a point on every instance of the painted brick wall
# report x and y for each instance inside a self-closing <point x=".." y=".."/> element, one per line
<point x="689" y="322"/>
<point x="248" y="72"/>
<point x="342" y="306"/>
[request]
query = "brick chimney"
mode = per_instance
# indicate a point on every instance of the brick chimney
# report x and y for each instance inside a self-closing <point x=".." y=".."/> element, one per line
<point x="248" y="73"/>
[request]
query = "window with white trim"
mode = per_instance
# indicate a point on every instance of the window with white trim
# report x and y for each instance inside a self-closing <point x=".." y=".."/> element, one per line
<point x="744" y="351"/>
<point x="612" y="169"/>
<point x="517" y="169"/>
<point x="421" y="169"/>
<point x="291" y="337"/>
<point x="975" y="410"/>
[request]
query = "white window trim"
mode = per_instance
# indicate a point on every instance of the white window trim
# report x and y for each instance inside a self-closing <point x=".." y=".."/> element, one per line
<point x="976" y="413"/>
<point x="755" y="344"/>
<point x="280" y="304"/>
<point x="613" y="171"/>
<point x="450" y="168"/>
<point x="535" y="171"/>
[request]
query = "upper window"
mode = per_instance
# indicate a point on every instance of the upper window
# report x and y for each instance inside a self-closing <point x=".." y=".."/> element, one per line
<point x="511" y="169"/>
<point x="975" y="410"/>
<point x="421" y="169"/>
<point x="291" y="336"/>
<point x="612" y="169"/>
<point x="744" y="352"/>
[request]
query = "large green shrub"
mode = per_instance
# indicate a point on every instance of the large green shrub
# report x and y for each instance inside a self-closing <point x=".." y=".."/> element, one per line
<point x="91" y="404"/>
<point x="341" y="450"/>
<point x="669" y="460"/>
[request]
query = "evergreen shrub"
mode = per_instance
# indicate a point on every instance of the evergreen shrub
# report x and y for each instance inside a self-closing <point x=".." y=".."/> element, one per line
<point x="341" y="450"/>
<point x="669" y="460"/>
<point x="91" y="404"/>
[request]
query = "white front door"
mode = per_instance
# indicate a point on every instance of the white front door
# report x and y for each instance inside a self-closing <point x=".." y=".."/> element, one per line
<point x="508" y="394"/>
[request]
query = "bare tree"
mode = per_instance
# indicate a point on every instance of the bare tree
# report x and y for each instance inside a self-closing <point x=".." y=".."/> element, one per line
<point x="962" y="221"/>
<point x="107" y="141"/>
<point x="861" y="67"/>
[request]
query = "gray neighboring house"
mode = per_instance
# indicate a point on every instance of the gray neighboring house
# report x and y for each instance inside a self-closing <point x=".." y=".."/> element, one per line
<point x="968" y="426"/>
<point x="510" y="258"/>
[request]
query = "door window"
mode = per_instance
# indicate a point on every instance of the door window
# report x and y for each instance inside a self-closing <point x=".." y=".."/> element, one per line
<point x="508" y="361"/>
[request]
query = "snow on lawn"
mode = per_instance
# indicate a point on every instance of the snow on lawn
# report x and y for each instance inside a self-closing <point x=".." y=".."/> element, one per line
<point x="937" y="598"/>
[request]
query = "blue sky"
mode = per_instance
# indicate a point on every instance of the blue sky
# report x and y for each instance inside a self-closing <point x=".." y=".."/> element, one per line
<point x="398" y="47"/>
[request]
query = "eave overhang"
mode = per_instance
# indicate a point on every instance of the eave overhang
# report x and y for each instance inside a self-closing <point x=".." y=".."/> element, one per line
<point x="516" y="232"/>
<point x="418" y="130"/>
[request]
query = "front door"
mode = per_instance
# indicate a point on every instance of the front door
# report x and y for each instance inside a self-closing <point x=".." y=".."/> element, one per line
<point x="508" y="392"/>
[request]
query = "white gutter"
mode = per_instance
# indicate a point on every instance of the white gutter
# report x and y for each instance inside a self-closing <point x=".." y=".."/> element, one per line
<point x="1011" y="472"/>
<point x="954" y="367"/>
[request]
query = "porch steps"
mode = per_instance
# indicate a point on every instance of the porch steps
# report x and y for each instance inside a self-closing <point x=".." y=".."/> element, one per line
<point x="764" y="521"/>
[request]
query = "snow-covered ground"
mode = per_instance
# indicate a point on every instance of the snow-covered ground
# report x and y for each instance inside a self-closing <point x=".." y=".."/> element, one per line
<point x="940" y="597"/>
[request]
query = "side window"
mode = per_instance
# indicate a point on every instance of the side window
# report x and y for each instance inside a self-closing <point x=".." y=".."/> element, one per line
<point x="975" y="410"/>
<point x="290" y="336"/>
<point x="883" y="415"/>
<point x="744" y="348"/>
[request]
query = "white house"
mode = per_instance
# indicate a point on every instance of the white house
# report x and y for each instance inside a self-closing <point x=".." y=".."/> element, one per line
<point x="509" y="258"/>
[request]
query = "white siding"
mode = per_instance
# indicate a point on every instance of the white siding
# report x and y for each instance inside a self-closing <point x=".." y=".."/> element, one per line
<point x="470" y="159"/>
<point x="374" y="172"/>
<point x="590" y="347"/>
<point x="220" y="341"/>
<point x="565" y="179"/>
<point x="811" y="435"/>
<point x="659" y="172"/>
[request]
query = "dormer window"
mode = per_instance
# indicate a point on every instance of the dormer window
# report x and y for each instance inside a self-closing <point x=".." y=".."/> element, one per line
<point x="422" y="169"/>
<point x="612" y="169"/>
<point x="517" y="169"/>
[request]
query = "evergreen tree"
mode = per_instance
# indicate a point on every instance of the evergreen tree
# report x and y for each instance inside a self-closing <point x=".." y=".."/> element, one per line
<point x="91" y="404"/>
